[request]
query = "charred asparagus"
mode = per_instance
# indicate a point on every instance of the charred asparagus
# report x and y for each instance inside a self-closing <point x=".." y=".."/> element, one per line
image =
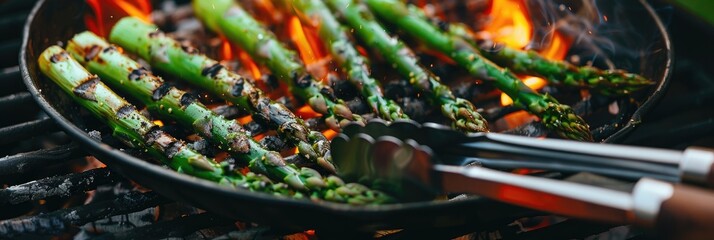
<point x="167" y="54"/>
<point x="557" y="117"/>
<point x="606" y="82"/>
<point x="137" y="131"/>
<point x="305" y="180"/>
<point x="316" y="14"/>
<point x="229" y="19"/>
<point x="462" y="113"/>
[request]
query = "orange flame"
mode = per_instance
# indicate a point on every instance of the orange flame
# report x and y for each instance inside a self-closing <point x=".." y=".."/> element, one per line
<point x="310" y="47"/>
<point x="511" y="25"/>
<point x="329" y="134"/>
<point x="306" y="112"/>
<point x="297" y="35"/>
<point x="159" y="123"/>
<point x="226" y="50"/>
<point x="245" y="120"/>
<point x="247" y="61"/>
<point x="105" y="13"/>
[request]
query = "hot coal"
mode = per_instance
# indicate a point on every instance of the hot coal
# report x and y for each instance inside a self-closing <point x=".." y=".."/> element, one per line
<point x="62" y="186"/>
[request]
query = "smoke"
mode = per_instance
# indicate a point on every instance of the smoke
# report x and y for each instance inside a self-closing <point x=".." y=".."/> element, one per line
<point x="604" y="33"/>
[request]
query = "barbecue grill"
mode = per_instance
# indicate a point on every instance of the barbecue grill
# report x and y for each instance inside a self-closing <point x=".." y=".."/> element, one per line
<point x="36" y="150"/>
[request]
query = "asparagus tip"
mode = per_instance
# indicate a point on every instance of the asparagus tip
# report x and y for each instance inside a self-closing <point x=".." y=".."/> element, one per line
<point x="565" y="122"/>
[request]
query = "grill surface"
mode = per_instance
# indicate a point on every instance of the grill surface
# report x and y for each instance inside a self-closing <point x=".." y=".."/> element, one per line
<point x="51" y="188"/>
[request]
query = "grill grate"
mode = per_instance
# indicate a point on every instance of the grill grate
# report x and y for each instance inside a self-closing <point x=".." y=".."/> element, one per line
<point x="48" y="189"/>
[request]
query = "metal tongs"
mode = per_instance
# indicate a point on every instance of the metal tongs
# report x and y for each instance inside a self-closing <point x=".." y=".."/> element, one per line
<point x="432" y="156"/>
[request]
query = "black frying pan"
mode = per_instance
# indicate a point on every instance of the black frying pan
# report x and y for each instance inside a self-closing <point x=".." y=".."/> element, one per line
<point x="53" y="21"/>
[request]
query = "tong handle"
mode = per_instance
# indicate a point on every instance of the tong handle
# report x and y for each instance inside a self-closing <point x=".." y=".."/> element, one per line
<point x="695" y="165"/>
<point x="675" y="211"/>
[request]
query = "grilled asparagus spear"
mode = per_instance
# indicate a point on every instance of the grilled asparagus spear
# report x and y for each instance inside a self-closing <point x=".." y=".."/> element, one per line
<point x="462" y="113"/>
<point x="122" y="72"/>
<point x="137" y="131"/>
<point x="183" y="158"/>
<point x="315" y="13"/>
<point x="557" y="117"/>
<point x="228" y="18"/>
<point x="606" y="82"/>
<point x="167" y="54"/>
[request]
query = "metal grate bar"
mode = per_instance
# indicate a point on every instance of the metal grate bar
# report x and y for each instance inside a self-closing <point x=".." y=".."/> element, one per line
<point x="26" y="130"/>
<point x="252" y="233"/>
<point x="9" y="6"/>
<point x="9" y="50"/>
<point x="23" y="162"/>
<point x="14" y="101"/>
<point x="12" y="25"/>
<point x="11" y="81"/>
<point x="174" y="228"/>
<point x="55" y="222"/>
<point x="64" y="186"/>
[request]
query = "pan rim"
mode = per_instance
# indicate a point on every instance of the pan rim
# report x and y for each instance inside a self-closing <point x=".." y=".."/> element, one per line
<point x="660" y="89"/>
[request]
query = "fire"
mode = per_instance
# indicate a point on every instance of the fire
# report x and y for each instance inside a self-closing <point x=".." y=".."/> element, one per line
<point x="158" y="123"/>
<point x="89" y="164"/>
<point x="297" y="35"/>
<point x="105" y="13"/>
<point x="329" y="134"/>
<point x="511" y="25"/>
<point x="534" y="83"/>
<point x="245" y="120"/>
<point x="310" y="47"/>
<point x="226" y="49"/>
<point x="247" y="62"/>
<point x="229" y="52"/>
<point x="306" y="112"/>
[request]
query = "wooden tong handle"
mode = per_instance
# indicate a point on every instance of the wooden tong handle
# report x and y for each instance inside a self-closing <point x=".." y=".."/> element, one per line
<point x="675" y="211"/>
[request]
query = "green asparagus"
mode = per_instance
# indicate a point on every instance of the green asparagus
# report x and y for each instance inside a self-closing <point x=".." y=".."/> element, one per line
<point x="606" y="82"/>
<point x="462" y="113"/>
<point x="132" y="128"/>
<point x="229" y="19"/>
<point x="316" y="14"/>
<point x="555" y="116"/>
<point x="170" y="56"/>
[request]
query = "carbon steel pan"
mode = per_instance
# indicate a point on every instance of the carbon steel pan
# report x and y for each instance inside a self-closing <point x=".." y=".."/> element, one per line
<point x="54" y="21"/>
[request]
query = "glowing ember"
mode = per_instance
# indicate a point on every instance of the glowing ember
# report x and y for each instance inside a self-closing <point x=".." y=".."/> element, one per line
<point x="329" y="134"/>
<point x="244" y="120"/>
<point x="159" y="123"/>
<point x="105" y="13"/>
<point x="306" y="112"/>
<point x="90" y="163"/>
